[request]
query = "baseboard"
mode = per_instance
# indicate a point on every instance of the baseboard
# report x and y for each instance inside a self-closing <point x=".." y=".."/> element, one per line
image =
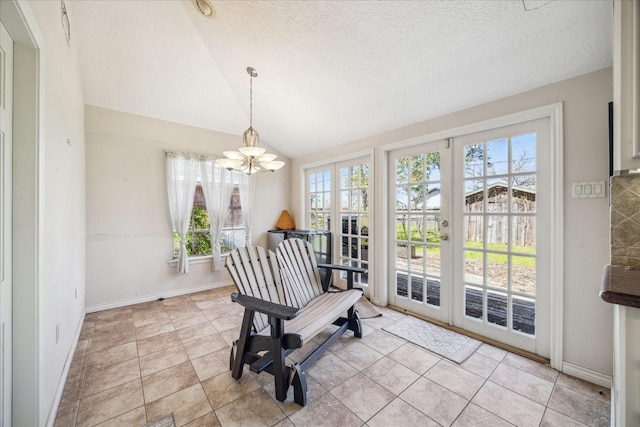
<point x="51" y="418"/>
<point x="154" y="297"/>
<point x="587" y="374"/>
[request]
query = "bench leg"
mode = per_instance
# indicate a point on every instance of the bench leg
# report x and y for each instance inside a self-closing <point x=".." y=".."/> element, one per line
<point x="280" y="375"/>
<point x="237" y="362"/>
<point x="232" y="354"/>
<point x="354" y="323"/>
<point x="280" y="370"/>
<point x="299" y="386"/>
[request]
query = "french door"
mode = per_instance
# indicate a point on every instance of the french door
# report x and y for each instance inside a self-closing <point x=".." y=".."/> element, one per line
<point x="421" y="252"/>
<point x="471" y="228"/>
<point x="338" y="199"/>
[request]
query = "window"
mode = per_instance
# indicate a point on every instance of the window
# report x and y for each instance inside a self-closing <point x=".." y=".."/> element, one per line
<point x="225" y="193"/>
<point x="199" y="235"/>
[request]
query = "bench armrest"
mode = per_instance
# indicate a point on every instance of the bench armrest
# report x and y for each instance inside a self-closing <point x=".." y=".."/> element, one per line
<point x="346" y="268"/>
<point x="350" y="270"/>
<point x="269" y="308"/>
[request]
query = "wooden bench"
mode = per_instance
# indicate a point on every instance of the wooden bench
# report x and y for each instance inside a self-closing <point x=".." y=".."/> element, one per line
<point x="285" y="306"/>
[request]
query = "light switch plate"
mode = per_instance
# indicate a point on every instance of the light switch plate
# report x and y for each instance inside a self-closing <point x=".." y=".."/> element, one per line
<point x="588" y="189"/>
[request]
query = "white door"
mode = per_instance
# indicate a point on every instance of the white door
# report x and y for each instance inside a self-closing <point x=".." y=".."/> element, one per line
<point x="351" y="241"/>
<point x="502" y="215"/>
<point x="489" y="195"/>
<point x="419" y="224"/>
<point x="6" y="121"/>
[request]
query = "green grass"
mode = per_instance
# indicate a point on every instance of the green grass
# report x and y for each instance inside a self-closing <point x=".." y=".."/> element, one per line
<point x="475" y="253"/>
<point x="495" y="258"/>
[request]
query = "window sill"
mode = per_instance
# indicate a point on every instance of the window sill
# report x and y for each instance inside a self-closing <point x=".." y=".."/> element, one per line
<point x="202" y="259"/>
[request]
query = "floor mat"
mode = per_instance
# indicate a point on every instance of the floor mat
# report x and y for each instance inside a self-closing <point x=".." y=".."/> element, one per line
<point x="166" y="421"/>
<point x="452" y="345"/>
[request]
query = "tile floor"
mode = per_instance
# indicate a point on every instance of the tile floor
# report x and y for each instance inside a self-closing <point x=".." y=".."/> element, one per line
<point x="139" y="363"/>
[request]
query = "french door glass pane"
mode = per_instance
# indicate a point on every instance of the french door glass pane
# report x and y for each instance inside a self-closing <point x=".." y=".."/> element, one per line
<point x="474" y="306"/>
<point x="402" y="230"/>
<point x="524" y="315"/>
<point x="417" y="168"/>
<point x="497" y="232"/>
<point x="523" y="233"/>
<point x="523" y="274"/>
<point x="433" y="260"/>
<point x="401" y="284"/>
<point x="497" y="157"/>
<point x="417" y="291"/>
<point x="497" y="308"/>
<point x="474" y="160"/>
<point x="473" y="231"/>
<point x="474" y="267"/>
<point x="319" y="193"/>
<point x="497" y="270"/>
<point x="523" y="153"/>
<point x="474" y="195"/>
<point x="523" y="194"/>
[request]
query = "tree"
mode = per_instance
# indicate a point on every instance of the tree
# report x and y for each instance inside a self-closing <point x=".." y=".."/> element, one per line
<point x="520" y="164"/>
<point x="199" y="236"/>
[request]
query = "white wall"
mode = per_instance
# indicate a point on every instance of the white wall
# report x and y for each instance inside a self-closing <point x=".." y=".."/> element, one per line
<point x="62" y="286"/>
<point x="129" y="239"/>
<point x="49" y="205"/>
<point x="587" y="320"/>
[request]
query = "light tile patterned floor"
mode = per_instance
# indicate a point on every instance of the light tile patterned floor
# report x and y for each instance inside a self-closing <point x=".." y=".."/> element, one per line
<point x="139" y="363"/>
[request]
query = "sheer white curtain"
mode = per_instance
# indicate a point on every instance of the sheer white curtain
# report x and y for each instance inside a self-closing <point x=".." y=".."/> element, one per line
<point x="247" y="191"/>
<point x="217" y="187"/>
<point x="182" y="176"/>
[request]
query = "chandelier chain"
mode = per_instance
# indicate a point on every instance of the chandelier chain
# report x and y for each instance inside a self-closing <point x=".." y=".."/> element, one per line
<point x="250" y="101"/>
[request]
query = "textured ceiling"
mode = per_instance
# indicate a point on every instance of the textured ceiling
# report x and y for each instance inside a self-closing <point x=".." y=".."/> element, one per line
<point x="329" y="72"/>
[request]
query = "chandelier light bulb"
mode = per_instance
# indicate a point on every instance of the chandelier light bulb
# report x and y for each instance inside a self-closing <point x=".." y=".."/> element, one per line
<point x="233" y="155"/>
<point x="272" y="165"/>
<point x="252" y="151"/>
<point x="230" y="163"/>
<point x="266" y="157"/>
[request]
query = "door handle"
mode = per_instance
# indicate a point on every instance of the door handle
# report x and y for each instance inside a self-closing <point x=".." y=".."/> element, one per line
<point x="444" y="236"/>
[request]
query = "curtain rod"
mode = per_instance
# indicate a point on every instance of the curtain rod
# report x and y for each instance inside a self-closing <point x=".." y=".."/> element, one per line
<point x="192" y="155"/>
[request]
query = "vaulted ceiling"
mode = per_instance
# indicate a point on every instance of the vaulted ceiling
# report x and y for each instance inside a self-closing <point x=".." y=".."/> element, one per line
<point x="329" y="72"/>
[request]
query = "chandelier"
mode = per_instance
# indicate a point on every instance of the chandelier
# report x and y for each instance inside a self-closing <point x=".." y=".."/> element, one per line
<point x="250" y="158"/>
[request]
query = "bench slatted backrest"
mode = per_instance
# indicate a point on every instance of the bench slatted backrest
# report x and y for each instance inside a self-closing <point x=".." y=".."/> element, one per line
<point x="255" y="274"/>
<point x="299" y="271"/>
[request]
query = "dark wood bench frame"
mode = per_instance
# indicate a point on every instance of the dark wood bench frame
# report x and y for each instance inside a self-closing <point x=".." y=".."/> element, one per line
<point x="279" y="344"/>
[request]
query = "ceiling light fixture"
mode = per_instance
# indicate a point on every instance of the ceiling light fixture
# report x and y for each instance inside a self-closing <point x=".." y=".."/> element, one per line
<point x="205" y="7"/>
<point x="250" y="158"/>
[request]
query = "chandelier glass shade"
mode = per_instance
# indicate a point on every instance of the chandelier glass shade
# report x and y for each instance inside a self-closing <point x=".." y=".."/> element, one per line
<point x="250" y="158"/>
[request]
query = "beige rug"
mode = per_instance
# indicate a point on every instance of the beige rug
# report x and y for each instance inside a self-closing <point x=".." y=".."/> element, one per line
<point x="452" y="345"/>
<point x="166" y="421"/>
<point x="366" y="310"/>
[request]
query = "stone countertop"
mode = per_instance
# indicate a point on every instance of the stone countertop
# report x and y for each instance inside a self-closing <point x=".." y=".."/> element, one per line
<point x="621" y="285"/>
